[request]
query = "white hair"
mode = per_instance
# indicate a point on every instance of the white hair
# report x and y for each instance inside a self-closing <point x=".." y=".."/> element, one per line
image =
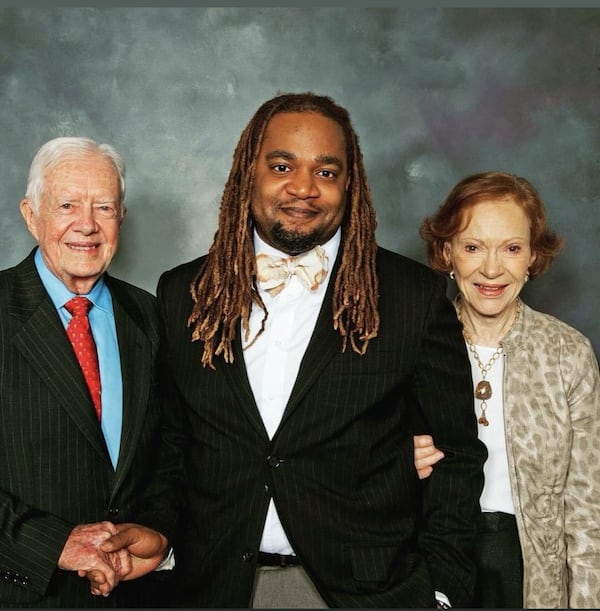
<point x="51" y="153"/>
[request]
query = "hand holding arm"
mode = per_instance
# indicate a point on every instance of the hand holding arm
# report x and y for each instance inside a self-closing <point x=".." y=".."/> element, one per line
<point x="426" y="455"/>
<point x="81" y="553"/>
<point x="146" y="547"/>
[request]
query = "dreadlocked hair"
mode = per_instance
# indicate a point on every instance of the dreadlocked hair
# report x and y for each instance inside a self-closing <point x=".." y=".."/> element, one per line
<point x="225" y="288"/>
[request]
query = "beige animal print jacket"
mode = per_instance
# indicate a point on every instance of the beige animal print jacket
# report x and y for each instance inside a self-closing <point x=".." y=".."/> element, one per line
<point x="552" y="417"/>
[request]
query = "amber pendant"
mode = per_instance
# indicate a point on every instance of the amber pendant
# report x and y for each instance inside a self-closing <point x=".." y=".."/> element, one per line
<point x="483" y="390"/>
<point x="483" y="420"/>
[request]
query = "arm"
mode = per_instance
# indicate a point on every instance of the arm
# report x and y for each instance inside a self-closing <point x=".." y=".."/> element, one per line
<point x="146" y="541"/>
<point x="582" y="489"/>
<point x="443" y="388"/>
<point x="34" y="544"/>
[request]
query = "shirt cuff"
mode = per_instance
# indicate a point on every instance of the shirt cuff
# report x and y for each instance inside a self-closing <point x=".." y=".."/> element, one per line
<point x="442" y="600"/>
<point x="168" y="562"/>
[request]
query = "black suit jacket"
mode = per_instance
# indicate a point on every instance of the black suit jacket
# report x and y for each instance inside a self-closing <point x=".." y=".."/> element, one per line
<point x="55" y="471"/>
<point x="340" y="467"/>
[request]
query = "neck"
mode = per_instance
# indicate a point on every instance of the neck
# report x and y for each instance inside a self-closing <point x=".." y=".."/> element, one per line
<point x="487" y="330"/>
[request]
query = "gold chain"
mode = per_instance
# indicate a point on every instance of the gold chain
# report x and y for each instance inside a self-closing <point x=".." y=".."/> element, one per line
<point x="483" y="390"/>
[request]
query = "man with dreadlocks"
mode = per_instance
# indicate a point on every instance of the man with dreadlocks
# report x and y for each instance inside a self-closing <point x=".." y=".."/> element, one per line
<point x="300" y="358"/>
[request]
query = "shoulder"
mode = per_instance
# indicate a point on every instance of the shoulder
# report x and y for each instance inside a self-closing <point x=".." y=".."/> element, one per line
<point x="554" y="331"/>
<point x="138" y="303"/>
<point x="20" y="279"/>
<point x="561" y="348"/>
<point x="181" y="275"/>
<point x="131" y="291"/>
<point x="394" y="267"/>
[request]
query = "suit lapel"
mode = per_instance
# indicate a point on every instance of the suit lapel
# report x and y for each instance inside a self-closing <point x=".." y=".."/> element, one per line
<point x="41" y="339"/>
<point x="324" y="343"/>
<point x="135" y="351"/>
<point x="237" y="378"/>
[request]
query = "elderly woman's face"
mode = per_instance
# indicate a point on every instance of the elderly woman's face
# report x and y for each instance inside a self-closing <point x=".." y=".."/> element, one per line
<point x="490" y="257"/>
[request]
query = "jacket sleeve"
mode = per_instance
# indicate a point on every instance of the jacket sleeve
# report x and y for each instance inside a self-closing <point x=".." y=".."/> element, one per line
<point x="31" y="542"/>
<point x="582" y="488"/>
<point x="163" y="498"/>
<point x="443" y="387"/>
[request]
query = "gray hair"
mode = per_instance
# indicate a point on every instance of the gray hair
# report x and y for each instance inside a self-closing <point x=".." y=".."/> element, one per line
<point x="51" y="153"/>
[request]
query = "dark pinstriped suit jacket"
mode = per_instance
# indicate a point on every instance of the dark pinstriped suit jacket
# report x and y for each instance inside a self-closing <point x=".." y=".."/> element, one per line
<point x="340" y="467"/>
<point x="55" y="471"/>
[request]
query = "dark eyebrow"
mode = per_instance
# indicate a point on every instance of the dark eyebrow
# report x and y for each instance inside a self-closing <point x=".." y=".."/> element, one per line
<point x="280" y="154"/>
<point x="324" y="159"/>
<point x="330" y="160"/>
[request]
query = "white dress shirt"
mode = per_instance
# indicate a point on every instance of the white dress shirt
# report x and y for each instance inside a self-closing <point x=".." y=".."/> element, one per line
<point x="273" y="361"/>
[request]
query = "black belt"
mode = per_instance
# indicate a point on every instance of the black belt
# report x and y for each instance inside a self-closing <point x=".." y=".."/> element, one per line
<point x="268" y="559"/>
<point x="494" y="521"/>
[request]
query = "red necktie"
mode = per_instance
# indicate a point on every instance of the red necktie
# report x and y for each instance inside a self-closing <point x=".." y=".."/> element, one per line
<point x="80" y="335"/>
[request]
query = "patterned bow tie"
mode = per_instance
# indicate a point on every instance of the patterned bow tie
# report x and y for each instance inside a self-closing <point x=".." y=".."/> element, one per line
<point x="273" y="273"/>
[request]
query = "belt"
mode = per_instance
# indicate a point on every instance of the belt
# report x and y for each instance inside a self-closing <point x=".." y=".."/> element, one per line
<point x="268" y="559"/>
<point x="494" y="521"/>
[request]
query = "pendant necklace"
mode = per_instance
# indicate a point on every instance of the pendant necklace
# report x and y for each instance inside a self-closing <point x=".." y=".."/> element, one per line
<point x="483" y="389"/>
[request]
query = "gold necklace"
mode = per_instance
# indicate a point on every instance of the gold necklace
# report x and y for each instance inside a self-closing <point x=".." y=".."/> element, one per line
<point x="483" y="389"/>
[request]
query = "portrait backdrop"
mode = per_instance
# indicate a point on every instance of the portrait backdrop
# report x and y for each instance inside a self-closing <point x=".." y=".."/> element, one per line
<point x="435" y="94"/>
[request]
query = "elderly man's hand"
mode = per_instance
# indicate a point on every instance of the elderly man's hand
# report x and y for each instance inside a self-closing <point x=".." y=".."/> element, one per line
<point x="82" y="553"/>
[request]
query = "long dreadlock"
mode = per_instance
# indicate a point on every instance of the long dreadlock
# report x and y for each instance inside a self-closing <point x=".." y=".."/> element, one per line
<point x="225" y="287"/>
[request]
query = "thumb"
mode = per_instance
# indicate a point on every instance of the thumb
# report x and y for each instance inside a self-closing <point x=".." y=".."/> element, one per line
<point x="121" y="540"/>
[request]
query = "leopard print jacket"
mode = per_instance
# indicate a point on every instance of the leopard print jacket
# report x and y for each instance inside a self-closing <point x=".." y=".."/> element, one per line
<point x="552" y="420"/>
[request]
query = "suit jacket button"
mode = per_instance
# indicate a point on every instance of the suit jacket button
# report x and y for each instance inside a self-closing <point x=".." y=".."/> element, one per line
<point x="113" y="511"/>
<point x="247" y="556"/>
<point x="274" y="461"/>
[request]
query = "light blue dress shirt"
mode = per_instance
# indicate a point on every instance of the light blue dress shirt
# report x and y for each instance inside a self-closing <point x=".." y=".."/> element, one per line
<point x="102" y="322"/>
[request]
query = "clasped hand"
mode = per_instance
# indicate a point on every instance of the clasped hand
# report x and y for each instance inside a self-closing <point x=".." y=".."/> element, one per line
<point x="109" y="553"/>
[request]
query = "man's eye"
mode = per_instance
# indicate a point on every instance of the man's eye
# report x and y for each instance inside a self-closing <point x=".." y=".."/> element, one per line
<point x="327" y="173"/>
<point x="106" y="210"/>
<point x="280" y="167"/>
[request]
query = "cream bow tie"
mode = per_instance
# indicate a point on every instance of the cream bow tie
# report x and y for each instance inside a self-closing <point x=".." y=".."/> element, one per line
<point x="273" y="273"/>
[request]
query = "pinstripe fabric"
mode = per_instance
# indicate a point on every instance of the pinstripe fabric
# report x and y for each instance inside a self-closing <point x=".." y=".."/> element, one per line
<point x="55" y="470"/>
<point x="340" y="467"/>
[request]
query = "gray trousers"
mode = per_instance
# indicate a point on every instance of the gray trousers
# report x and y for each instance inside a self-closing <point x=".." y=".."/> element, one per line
<point x="285" y="588"/>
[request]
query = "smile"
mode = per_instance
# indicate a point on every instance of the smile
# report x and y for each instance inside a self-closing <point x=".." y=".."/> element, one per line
<point x="82" y="247"/>
<point x="490" y="290"/>
<point x="299" y="212"/>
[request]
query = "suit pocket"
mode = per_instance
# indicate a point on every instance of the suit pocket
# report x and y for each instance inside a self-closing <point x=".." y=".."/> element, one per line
<point x="398" y="572"/>
<point x="372" y="563"/>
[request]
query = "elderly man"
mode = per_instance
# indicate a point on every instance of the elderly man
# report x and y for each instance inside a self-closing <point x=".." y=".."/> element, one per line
<point x="78" y="407"/>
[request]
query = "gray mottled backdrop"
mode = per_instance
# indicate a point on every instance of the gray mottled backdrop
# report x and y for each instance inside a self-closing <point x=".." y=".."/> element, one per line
<point x="435" y="94"/>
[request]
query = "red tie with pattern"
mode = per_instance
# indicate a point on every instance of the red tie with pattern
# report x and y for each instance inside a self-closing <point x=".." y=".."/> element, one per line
<point x="80" y="335"/>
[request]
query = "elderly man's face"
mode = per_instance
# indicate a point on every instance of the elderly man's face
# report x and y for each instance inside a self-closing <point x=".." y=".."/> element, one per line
<point x="78" y="222"/>
<point x="299" y="195"/>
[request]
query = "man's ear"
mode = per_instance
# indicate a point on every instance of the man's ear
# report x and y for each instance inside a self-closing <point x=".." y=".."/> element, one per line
<point x="30" y="217"/>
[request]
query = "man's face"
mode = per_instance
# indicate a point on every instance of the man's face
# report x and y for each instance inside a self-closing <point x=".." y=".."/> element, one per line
<point x="299" y="195"/>
<point x="79" y="218"/>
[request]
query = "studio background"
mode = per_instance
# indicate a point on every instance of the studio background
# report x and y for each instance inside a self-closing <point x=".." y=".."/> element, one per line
<point x="434" y="94"/>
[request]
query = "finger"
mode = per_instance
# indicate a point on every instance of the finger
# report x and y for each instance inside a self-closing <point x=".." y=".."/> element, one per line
<point x="96" y="577"/>
<point x="125" y="562"/>
<point x="123" y="539"/>
<point x="426" y="459"/>
<point x="422" y="441"/>
<point x="425" y="472"/>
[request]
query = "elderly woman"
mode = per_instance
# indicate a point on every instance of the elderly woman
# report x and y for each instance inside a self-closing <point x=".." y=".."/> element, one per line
<point x="536" y="398"/>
